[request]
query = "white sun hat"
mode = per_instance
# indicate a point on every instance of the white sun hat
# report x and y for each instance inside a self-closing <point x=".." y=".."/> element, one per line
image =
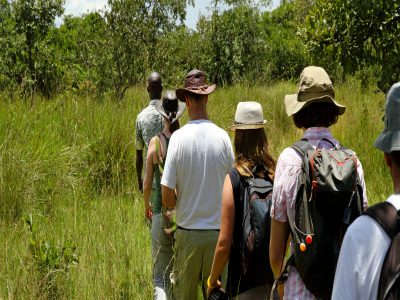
<point x="249" y="115"/>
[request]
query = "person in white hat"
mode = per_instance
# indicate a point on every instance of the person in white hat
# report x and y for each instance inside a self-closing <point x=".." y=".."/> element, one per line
<point x="252" y="159"/>
<point x="313" y="109"/>
<point x="357" y="276"/>
<point x="161" y="244"/>
<point x="199" y="156"/>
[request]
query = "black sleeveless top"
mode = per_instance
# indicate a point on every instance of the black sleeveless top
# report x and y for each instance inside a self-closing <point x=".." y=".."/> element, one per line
<point x="237" y="282"/>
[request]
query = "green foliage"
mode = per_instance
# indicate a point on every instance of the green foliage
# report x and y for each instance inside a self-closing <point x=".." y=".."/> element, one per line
<point x="179" y="51"/>
<point x="357" y="34"/>
<point x="236" y="48"/>
<point x="53" y="261"/>
<point x="130" y="41"/>
<point x="81" y="41"/>
<point x="33" y="20"/>
<point x="106" y="52"/>
<point x="286" y="55"/>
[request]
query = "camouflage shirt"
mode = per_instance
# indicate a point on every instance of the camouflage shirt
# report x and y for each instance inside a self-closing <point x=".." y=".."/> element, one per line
<point x="148" y="123"/>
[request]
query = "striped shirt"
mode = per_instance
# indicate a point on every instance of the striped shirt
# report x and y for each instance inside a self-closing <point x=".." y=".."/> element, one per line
<point x="284" y="195"/>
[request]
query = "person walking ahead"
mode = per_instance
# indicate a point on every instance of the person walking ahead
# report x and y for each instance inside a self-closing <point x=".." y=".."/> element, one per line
<point x="148" y="123"/>
<point x="252" y="160"/>
<point x="161" y="244"/>
<point x="199" y="157"/>
<point x="314" y="110"/>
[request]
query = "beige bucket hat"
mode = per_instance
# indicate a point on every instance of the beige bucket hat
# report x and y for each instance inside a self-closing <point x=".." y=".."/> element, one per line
<point x="389" y="139"/>
<point x="249" y="115"/>
<point x="314" y="86"/>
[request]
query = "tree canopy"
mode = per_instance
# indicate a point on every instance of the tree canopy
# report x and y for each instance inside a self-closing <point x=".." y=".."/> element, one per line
<point x="109" y="50"/>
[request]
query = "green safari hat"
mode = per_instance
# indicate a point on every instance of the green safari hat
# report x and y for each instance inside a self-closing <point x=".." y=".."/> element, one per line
<point x="314" y="86"/>
<point x="389" y="139"/>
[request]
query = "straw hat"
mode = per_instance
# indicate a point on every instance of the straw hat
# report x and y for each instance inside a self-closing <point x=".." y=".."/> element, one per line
<point x="249" y="115"/>
<point x="389" y="139"/>
<point x="195" y="82"/>
<point x="314" y="86"/>
<point x="169" y="107"/>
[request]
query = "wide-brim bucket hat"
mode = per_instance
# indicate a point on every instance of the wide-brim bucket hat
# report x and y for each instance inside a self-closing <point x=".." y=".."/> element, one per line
<point x="195" y="82"/>
<point x="389" y="140"/>
<point x="249" y="115"/>
<point x="169" y="106"/>
<point x="314" y="86"/>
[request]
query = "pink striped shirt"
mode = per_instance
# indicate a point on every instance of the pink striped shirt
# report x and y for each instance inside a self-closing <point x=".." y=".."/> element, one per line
<point x="283" y="201"/>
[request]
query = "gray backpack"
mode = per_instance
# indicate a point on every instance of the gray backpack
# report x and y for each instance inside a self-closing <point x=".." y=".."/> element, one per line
<point x="328" y="201"/>
<point x="256" y="225"/>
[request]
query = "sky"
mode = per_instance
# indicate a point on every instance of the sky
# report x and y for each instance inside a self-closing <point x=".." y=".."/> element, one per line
<point x="78" y="7"/>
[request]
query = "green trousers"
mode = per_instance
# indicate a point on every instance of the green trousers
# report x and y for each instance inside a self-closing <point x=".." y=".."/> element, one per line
<point x="193" y="257"/>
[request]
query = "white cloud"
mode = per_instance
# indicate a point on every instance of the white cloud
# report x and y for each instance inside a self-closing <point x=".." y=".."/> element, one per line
<point x="78" y="7"/>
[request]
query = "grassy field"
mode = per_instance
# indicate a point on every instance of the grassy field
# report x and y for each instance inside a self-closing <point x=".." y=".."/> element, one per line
<point x="71" y="218"/>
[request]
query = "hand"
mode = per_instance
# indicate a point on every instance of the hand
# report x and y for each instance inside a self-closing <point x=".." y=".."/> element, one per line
<point x="140" y="185"/>
<point x="214" y="287"/>
<point x="148" y="213"/>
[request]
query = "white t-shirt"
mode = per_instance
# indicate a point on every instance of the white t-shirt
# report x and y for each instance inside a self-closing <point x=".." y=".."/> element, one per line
<point x="361" y="257"/>
<point x="199" y="157"/>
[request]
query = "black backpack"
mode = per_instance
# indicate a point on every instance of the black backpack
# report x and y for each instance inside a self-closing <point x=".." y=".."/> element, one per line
<point x="329" y="199"/>
<point x="389" y="281"/>
<point x="256" y="225"/>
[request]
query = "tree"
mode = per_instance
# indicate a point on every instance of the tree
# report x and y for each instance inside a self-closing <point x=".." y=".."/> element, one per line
<point x="33" y="20"/>
<point x="357" y="33"/>
<point x="8" y="48"/>
<point x="81" y="41"/>
<point x="132" y="30"/>
<point x="286" y="55"/>
<point x="235" y="45"/>
<point x="179" y="51"/>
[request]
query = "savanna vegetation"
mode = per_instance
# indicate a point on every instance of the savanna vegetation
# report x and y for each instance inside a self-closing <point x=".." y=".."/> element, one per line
<point x="71" y="218"/>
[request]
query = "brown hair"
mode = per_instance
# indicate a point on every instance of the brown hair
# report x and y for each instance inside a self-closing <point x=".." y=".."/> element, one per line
<point x="320" y="114"/>
<point x="174" y="126"/>
<point x="251" y="147"/>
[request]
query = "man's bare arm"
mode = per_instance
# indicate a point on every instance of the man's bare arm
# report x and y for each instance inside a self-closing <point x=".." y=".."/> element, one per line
<point x="168" y="196"/>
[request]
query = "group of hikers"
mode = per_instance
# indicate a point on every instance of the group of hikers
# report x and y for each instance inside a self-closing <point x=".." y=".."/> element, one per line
<point x="225" y="221"/>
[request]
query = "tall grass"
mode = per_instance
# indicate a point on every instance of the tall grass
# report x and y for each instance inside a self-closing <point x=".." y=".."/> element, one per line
<point x="70" y="162"/>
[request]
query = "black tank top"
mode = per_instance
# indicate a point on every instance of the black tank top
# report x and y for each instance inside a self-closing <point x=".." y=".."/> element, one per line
<point x="237" y="282"/>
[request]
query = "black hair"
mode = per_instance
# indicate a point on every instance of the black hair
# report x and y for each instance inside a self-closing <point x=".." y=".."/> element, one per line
<point x="319" y="114"/>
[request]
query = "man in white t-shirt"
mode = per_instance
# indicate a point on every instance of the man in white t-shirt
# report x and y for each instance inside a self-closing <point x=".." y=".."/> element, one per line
<point x="366" y="243"/>
<point x="199" y="157"/>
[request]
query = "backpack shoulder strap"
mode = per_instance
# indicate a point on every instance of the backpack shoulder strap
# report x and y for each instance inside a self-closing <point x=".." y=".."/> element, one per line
<point x="159" y="153"/>
<point x="302" y="146"/>
<point x="387" y="216"/>
<point x="166" y="139"/>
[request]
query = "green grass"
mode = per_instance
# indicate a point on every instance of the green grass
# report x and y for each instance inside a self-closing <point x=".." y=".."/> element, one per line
<point x="70" y="162"/>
